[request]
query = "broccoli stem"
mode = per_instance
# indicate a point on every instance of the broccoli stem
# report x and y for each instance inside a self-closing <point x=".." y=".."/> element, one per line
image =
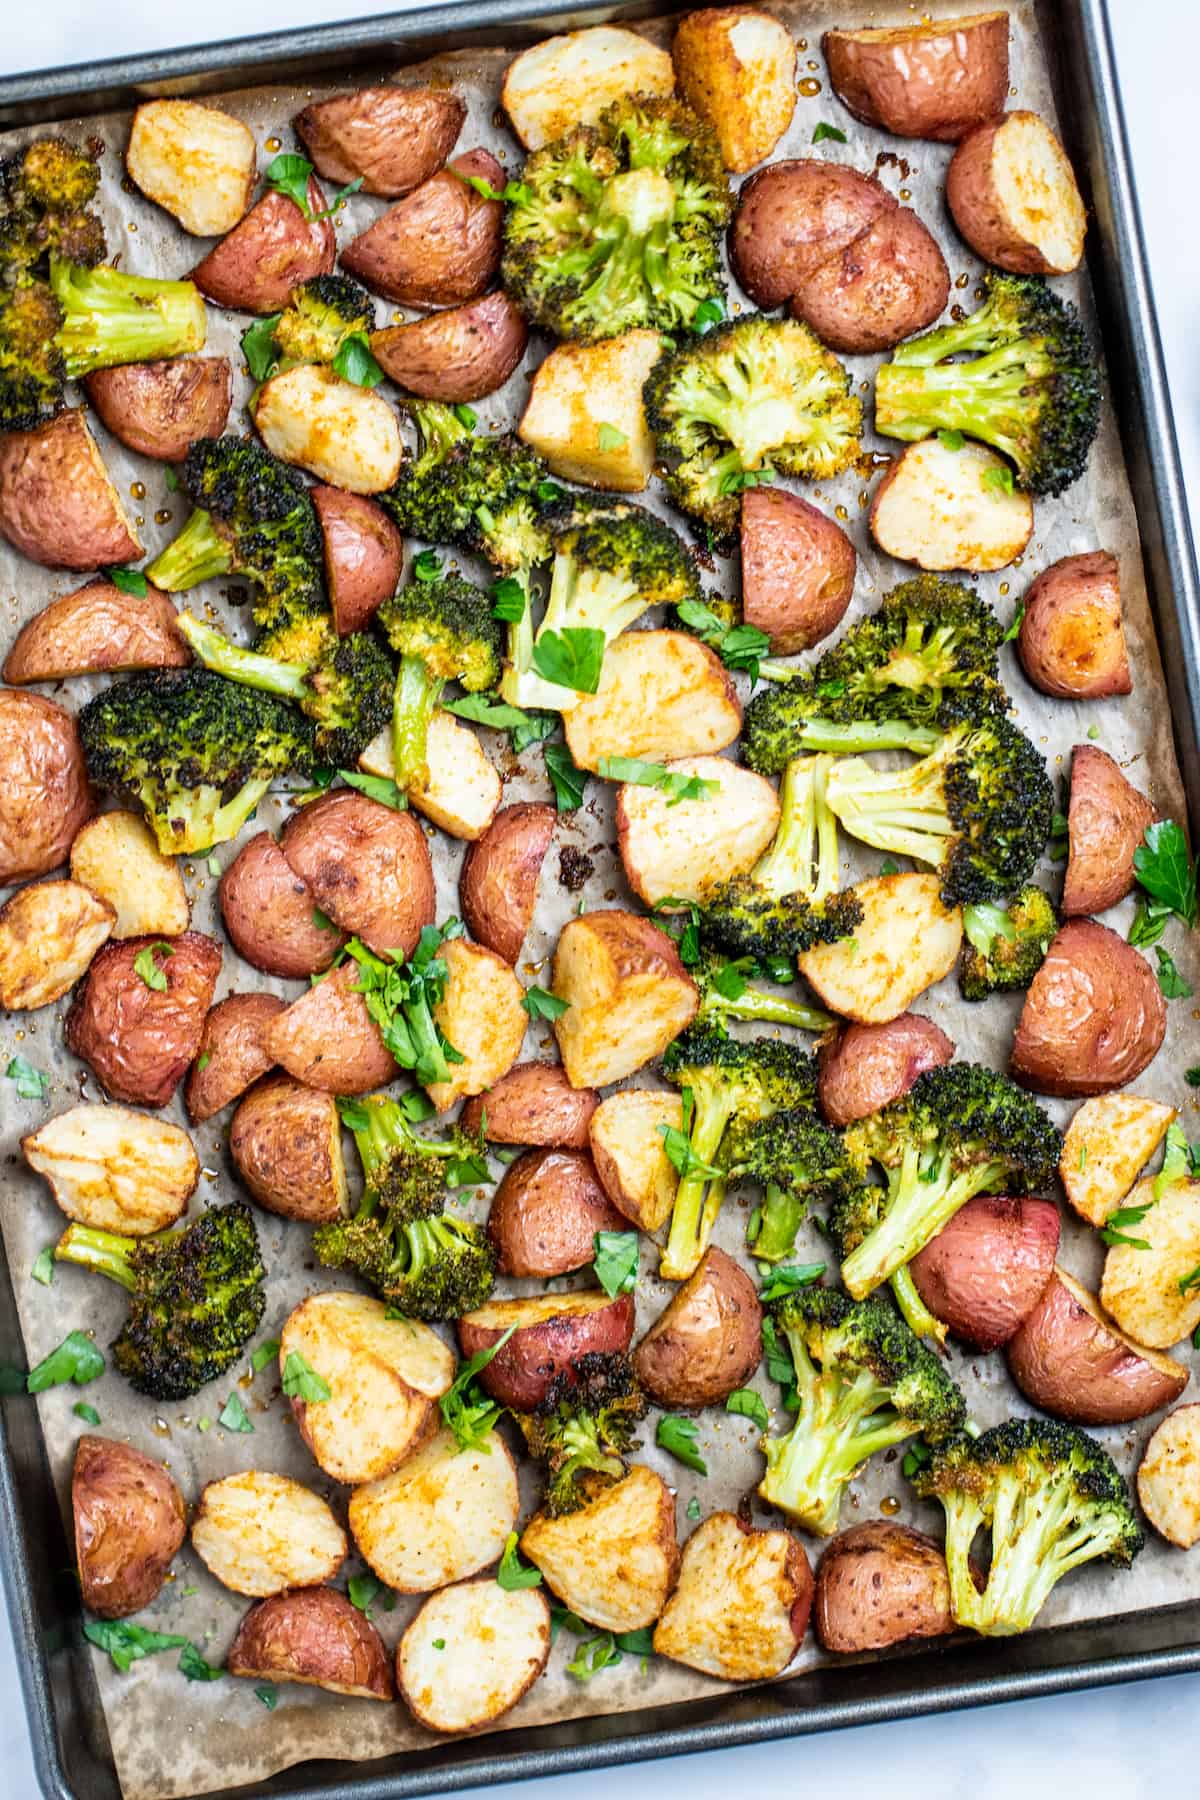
<point x="582" y="1445"/>
<point x="841" y="1425"/>
<point x="111" y="318"/>
<point x="982" y="398"/>
<point x="102" y="1251"/>
<point x="984" y="922"/>
<point x="807" y="834"/>
<point x="923" y="1198"/>
<point x="882" y="734"/>
<point x="265" y="673"/>
<point x="1029" y="1553"/>
<point x="199" y="817"/>
<point x="416" y="697"/>
<point x="916" y="1314"/>
<point x="779" y="1219"/>
<point x="772" y="1009"/>
<point x="198" y="554"/>
<point x="900" y="810"/>
<point x="699" y="1197"/>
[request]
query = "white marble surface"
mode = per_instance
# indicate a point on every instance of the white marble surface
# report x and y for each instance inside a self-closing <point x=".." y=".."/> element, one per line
<point x="1132" y="1742"/>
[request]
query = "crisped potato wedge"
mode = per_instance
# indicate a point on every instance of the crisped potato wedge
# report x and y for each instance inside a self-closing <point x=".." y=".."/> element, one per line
<point x="389" y="138"/>
<point x="286" y="1140"/>
<point x="585" y="414"/>
<point x="533" y="1104"/>
<point x="115" y="854"/>
<point x="49" y="933"/>
<point x="933" y="79"/>
<point x="440" y="245"/>
<point x="552" y="1332"/>
<point x="95" y="630"/>
<point x="481" y="1014"/>
<point x="627" y="996"/>
<point x="615" y="1560"/>
<point x="44" y="797"/>
<point x="260" y="1534"/>
<point x="464" y="353"/>
<point x="195" y="161"/>
<point x="935" y="508"/>
<point x="115" y="1169"/>
<point x="661" y="693"/>
<point x="140" y="1036"/>
<point x="878" y="1584"/>
<point x="460" y="789"/>
<point x="470" y="1653"/>
<point x="58" y="503"/>
<point x="364" y="554"/>
<point x="384" y="1377"/>
<point x="906" y="941"/>
<point x="444" y="1514"/>
<point x="866" y="1067"/>
<point x="737" y="69"/>
<point x="328" y="1039"/>
<point x="1012" y="193"/>
<point x="1108" y="1143"/>
<point x="274" y="247"/>
<point x="626" y="1139"/>
<point x="1070" y="1359"/>
<point x="740" y="1607"/>
<point x="499" y="881"/>
<point x="129" y="1521"/>
<point x="160" y="408"/>
<point x="1072" y="637"/>
<point x="366" y="865"/>
<point x="707" y="1340"/>
<point x="568" y="81"/>
<point x="1147" y="1291"/>
<point x="233" y="1052"/>
<point x="342" y="433"/>
<point x="1168" y="1480"/>
<point x="315" y="1636"/>
<point x="271" y="914"/>
<point x="686" y="848"/>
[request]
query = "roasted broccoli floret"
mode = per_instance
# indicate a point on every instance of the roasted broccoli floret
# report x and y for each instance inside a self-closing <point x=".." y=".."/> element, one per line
<point x="442" y="630"/>
<point x="321" y="314"/>
<point x="583" y="1428"/>
<point x="46" y="191"/>
<point x="753" y="397"/>
<point x="404" y="1172"/>
<point x="196" y="1297"/>
<point x="928" y="637"/>
<point x="1030" y="387"/>
<point x="726" y="1084"/>
<point x="795" y="1159"/>
<point x="726" y="992"/>
<point x="617" y="224"/>
<point x="1049" y="1499"/>
<point x="426" y="1268"/>
<point x="195" y="751"/>
<point x="784" y="720"/>
<point x="1004" y="947"/>
<point x="863" y="1383"/>
<point x="960" y="1130"/>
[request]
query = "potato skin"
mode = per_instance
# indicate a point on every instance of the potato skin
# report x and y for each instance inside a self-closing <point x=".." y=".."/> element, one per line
<point x="440" y="246"/>
<point x="95" y="630"/>
<point x="1106" y="821"/>
<point x="978" y="203"/>
<point x="880" y="1583"/>
<point x="1072" y="640"/>
<point x="553" y="1332"/>
<point x="328" y="1040"/>
<point x="533" y="1104"/>
<point x="795" y="215"/>
<point x="394" y="138"/>
<point x="889" y="283"/>
<point x="708" y="1339"/>
<point x="256" y="267"/>
<point x="367" y="866"/>
<point x="315" y="1636"/>
<point x="364" y="554"/>
<point x="160" y="408"/>
<point x="44" y="792"/>
<point x="984" y="1272"/>
<point x="129" y="1522"/>
<point x="546" y="1212"/>
<point x="499" y="880"/>
<point x="1073" y="1362"/>
<point x="58" y="505"/>
<point x="139" y="1040"/>
<point x="935" y="80"/>
<point x="268" y="912"/>
<point x="234" y="1042"/>
<point x="1094" y="1016"/>
<point x="866" y="1067"/>
<point x="797" y="569"/>
<point x="286" y="1141"/>
<point x="462" y="354"/>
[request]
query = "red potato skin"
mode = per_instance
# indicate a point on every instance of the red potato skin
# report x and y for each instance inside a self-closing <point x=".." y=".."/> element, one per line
<point x="1106" y="821"/>
<point x="234" y="1038"/>
<point x="440" y="246"/>
<point x="368" y="867"/>
<point x="1094" y="1016"/>
<point x="129" y="1522"/>
<point x="268" y="913"/>
<point x="716" y="1320"/>
<point x="533" y="1104"/>
<point x="867" y="1066"/>
<point x="889" y="283"/>
<point x="159" y="409"/>
<point x="455" y="356"/>
<point x="976" y="207"/>
<point x="364" y="553"/>
<point x="930" y="82"/>
<point x="328" y="1040"/>
<point x="520" y="1374"/>
<point x="313" y="1635"/>
<point x="546" y="1212"/>
<point x="985" y="1271"/>
<point x="1078" y="1368"/>
<point x="109" y="632"/>
<point x="878" y="1584"/>
<point x="371" y="134"/>
<point x="139" y="1041"/>
<point x="797" y="569"/>
<point x="499" y="880"/>
<point x="58" y="505"/>
<point x="267" y="253"/>
<point x="44" y="795"/>
<point x="1072" y="639"/>
<point x="793" y="216"/>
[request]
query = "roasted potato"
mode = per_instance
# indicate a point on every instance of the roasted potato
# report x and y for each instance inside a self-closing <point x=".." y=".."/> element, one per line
<point x="661" y="693"/>
<point x="97" y="630"/>
<point x="797" y="569"/>
<point x="261" y="1534"/>
<point x="552" y="1332"/>
<point x="546" y="1212"/>
<point x="1072" y="637"/>
<point x="115" y="854"/>
<point x="440" y="246"/>
<point x="626" y="1141"/>
<point x="470" y="1653"/>
<point x="1073" y="1362"/>
<point x="233" y="1052"/>
<point x="741" y="1604"/>
<point x="793" y="216"/>
<point x="160" y="408"/>
<point x="627" y="995"/>
<point x="499" y="880"/>
<point x="1106" y="821"/>
<point x="866" y="1067"/>
<point x="44" y="792"/>
<point x="615" y="1560"/>
<point x="906" y="941"/>
<point x="482" y="1015"/>
<point x="936" y="507"/>
<point x="256" y="267"/>
<point x="286" y="1141"/>
<point x="1094" y="1016"/>
<point x="1012" y="193"/>
<point x="139" y="1039"/>
<point x="49" y="933"/>
<point x="129" y="1521"/>
<point x="465" y="353"/>
<point x="937" y="79"/>
<point x="390" y="139"/>
<point x="460" y="789"/>
<point x="336" y="430"/>
<point x="1145" y="1286"/>
<point x="533" y="1104"/>
<point x="984" y="1272"/>
<point x="567" y="81"/>
<point x="737" y="69"/>
<point x="889" y="283"/>
<point x="878" y="1584"/>
<point x="366" y="866"/>
<point x="195" y="161"/>
<point x="585" y="414"/>
<point x="384" y="1377"/>
<point x="327" y="1038"/>
<point x="1109" y="1141"/>
<point x="58" y="504"/>
<point x="364" y="554"/>
<point x="708" y="1339"/>
<point x="1168" y="1479"/>
<point x="115" y="1169"/>
<point x="687" y="848"/>
<point x="270" y="913"/>
<point x="315" y="1636"/>
<point x="445" y="1513"/>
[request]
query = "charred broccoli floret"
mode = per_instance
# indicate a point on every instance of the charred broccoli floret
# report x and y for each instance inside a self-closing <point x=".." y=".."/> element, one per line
<point x="1030" y="387"/>
<point x="1004" y="947"/>
<point x="584" y="1428"/>
<point x="196" y="1297"/>
<point x="753" y="397"/>
<point x="863" y="1383"/>
<point x="321" y="314"/>
<point x="726" y="992"/>
<point x="442" y="630"/>
<point x="795" y="1159"/>
<point x="928" y="637"/>
<point x="404" y="1172"/>
<point x="1049" y="1498"/>
<point x="46" y="191"/>
<point x="195" y="751"/>
<point x="427" y="1268"/>
<point x="617" y="224"/>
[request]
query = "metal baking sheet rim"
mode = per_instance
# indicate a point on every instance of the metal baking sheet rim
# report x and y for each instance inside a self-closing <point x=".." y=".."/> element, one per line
<point x="906" y="1685"/>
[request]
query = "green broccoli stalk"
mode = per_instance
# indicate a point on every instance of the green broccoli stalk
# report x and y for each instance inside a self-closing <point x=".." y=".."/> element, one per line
<point x="400" y="997"/>
<point x="404" y="1172"/>
<point x="442" y="630"/>
<point x="795" y="1159"/>
<point x="425" y="1268"/>
<point x="109" y="317"/>
<point x="1004" y="948"/>
<point x="726" y="992"/>
<point x="583" y="1428"/>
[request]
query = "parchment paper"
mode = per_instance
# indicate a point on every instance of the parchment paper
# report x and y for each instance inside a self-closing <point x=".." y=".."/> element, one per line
<point x="171" y="1737"/>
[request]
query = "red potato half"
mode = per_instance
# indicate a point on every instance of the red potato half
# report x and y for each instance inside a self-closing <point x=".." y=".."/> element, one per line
<point x="499" y="881"/>
<point x="440" y="246"/>
<point x="533" y="1104"/>
<point x="233" y="1052"/>
<point x="546" y="1212"/>
<point x="1106" y="821"/>
<point x="364" y="554"/>
<point x="256" y="267"/>
<point x="270" y="913"/>
<point x="1094" y="1016"/>
<point x="160" y="408"/>
<point x="470" y="1653"/>
<point x="328" y="1039"/>
<point x="737" y="70"/>
<point x="889" y="283"/>
<point x="97" y="630"/>
<point x="984" y="1272"/>
<point x="1072" y="1361"/>
<point x="741" y="1603"/>
<point x="138" y="1039"/>
<point x="129" y="1520"/>
<point x="797" y="569"/>
<point x="313" y="1635"/>
<point x="49" y="933"/>
<point x="194" y="161"/>
<point x="552" y="1332"/>
<point x="938" y="508"/>
<point x="286" y="1141"/>
<point x="388" y="138"/>
<point x="708" y="1339"/>
<point x="793" y="216"/>
<point x="366" y="865"/>
<point x="937" y="79"/>
<point x="462" y="354"/>
<point x="866" y="1067"/>
<point x="878" y="1584"/>
<point x="1072" y="637"/>
<point x="58" y="504"/>
<point x="1168" y="1479"/>
<point x="44" y="792"/>
<point x="1012" y="193"/>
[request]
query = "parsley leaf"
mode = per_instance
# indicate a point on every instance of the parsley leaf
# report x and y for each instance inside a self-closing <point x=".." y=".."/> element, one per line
<point x="427" y="566"/>
<point x="678" y="1145"/>
<point x="541" y="1005"/>
<point x="264" y="1353"/>
<point x="566" y="778"/>
<point x="1015" y="624"/>
<point x="998" y="480"/>
<point x="616" y="1261"/>
<point x="485" y="709"/>
<point x="301" y="1381"/>
<point x="1166" y="871"/>
<point x="788" y="1277"/>
<point x="608" y="437"/>
<point x="571" y="658"/>
<point x="596" y="1653"/>
<point x="31" y="1084"/>
<point x="916" y="1457"/>
<point x="693" y="1508"/>
<point x="76" y="1359"/>
<point x="258" y="346"/>
<point x="677" y="1435"/>
<point x="706" y="315"/>
<point x="1150" y="920"/>
<point x="268" y="1693"/>
<point x="289" y="174"/>
<point x="467" y="1412"/>
<point x="400" y="997"/>
<point x="87" y="1413"/>
<point x="43" y="1266"/>
<point x="130" y="581"/>
<point x="233" y="1415"/>
<point x="688" y="939"/>
<point x="509" y="600"/>
<point x="675" y="785"/>
<point x="144" y="964"/>
<point x="363" y="1591"/>
<point x="739" y="646"/>
<point x="824" y="131"/>
<point x="514" y="193"/>
<point x="512" y="1573"/>
<point x="738" y="480"/>
<point x="466" y="415"/>
<point x="951" y="440"/>
<point x="194" y="1666"/>
<point x="354" y="362"/>
<point x="1173" y="986"/>
<point x="127" y="1643"/>
<point x="750" y="1405"/>
<point x="376" y="787"/>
